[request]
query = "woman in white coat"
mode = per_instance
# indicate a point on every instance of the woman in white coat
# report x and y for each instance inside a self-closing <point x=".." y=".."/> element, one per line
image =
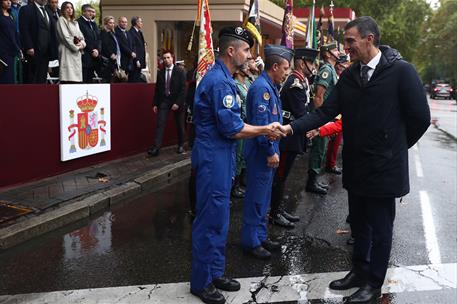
<point x="71" y="45"/>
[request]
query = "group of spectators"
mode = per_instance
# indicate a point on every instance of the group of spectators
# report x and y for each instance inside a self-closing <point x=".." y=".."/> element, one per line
<point x="40" y="42"/>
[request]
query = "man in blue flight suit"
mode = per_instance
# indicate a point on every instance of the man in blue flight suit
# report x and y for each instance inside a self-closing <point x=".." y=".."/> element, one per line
<point x="218" y="125"/>
<point x="262" y="154"/>
<point x="295" y="98"/>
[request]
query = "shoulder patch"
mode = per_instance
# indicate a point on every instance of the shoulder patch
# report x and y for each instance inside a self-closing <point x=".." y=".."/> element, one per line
<point x="297" y="84"/>
<point x="325" y="75"/>
<point x="266" y="96"/>
<point x="228" y="101"/>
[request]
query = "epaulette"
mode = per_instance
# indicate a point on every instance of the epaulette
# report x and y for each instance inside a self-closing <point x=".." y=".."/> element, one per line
<point x="297" y="84"/>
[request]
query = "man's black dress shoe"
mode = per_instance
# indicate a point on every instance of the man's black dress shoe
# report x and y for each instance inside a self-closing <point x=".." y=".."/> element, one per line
<point x="290" y="217"/>
<point x="209" y="295"/>
<point x="351" y="280"/>
<point x="153" y="152"/>
<point x="365" y="294"/>
<point x="226" y="284"/>
<point x="271" y="245"/>
<point x="237" y="192"/>
<point x="333" y="170"/>
<point x="259" y="252"/>
<point x="280" y="220"/>
<point x="180" y="150"/>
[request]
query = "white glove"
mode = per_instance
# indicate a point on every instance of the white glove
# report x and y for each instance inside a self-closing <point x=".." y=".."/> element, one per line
<point x="259" y="63"/>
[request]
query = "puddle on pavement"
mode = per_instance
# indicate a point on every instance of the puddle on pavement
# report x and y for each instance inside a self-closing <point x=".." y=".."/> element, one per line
<point x="147" y="241"/>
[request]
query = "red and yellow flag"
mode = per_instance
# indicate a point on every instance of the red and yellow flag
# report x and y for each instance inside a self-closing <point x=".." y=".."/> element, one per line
<point x="205" y="42"/>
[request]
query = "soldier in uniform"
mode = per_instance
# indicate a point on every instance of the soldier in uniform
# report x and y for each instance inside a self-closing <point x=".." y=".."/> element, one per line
<point x="262" y="154"/>
<point x="295" y="97"/>
<point x="217" y="125"/>
<point x="325" y="81"/>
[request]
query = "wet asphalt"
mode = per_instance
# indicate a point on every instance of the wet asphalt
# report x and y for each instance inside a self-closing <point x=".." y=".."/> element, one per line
<point x="148" y="240"/>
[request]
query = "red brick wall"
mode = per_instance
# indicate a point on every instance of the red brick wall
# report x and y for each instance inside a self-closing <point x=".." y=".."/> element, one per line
<point x="29" y="130"/>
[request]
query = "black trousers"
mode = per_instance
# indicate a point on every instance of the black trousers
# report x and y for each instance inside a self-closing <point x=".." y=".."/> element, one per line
<point x="372" y="220"/>
<point x="162" y="116"/>
<point x="36" y="68"/>
<point x="286" y="162"/>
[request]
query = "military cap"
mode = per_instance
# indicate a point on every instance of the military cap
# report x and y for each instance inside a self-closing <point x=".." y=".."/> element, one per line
<point x="237" y="32"/>
<point x="343" y="58"/>
<point x="306" y="54"/>
<point x="328" y="47"/>
<point x="279" y="50"/>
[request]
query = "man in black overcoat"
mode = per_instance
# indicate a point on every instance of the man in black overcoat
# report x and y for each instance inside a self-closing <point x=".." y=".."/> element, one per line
<point x="385" y="112"/>
<point x="139" y="47"/>
<point x="125" y="44"/>
<point x="90" y="56"/>
<point x="39" y="40"/>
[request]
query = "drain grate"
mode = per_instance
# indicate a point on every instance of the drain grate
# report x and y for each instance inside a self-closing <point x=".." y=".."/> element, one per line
<point x="9" y="212"/>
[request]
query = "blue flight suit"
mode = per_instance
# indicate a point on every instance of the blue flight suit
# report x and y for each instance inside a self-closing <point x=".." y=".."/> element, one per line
<point x="263" y="108"/>
<point x="216" y="115"/>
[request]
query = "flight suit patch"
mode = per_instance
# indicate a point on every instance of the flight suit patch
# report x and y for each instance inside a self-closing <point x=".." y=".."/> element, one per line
<point x="275" y="110"/>
<point x="261" y="108"/>
<point x="266" y="96"/>
<point x="325" y="75"/>
<point x="228" y="101"/>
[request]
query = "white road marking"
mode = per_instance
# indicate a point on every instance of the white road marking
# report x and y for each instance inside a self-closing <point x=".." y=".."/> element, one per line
<point x="429" y="229"/>
<point x="275" y="289"/>
<point x="417" y="161"/>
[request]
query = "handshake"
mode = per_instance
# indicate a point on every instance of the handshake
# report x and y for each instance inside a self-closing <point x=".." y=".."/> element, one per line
<point x="275" y="131"/>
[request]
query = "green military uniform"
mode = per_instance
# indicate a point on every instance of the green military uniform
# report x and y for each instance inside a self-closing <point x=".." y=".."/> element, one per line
<point x="242" y="90"/>
<point x="327" y="78"/>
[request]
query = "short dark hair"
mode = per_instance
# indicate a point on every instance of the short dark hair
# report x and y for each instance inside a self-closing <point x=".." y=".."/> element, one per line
<point x="271" y="60"/>
<point x="86" y="6"/>
<point x="134" y="20"/>
<point x="168" y="52"/>
<point x="366" y="25"/>
<point x="227" y="41"/>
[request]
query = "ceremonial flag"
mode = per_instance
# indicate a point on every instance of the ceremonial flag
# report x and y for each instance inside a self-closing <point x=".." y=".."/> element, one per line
<point x="288" y="25"/>
<point x="319" y="30"/>
<point x="331" y="25"/>
<point x="205" y="42"/>
<point x="338" y="38"/>
<point x="311" y="41"/>
<point x="252" y="22"/>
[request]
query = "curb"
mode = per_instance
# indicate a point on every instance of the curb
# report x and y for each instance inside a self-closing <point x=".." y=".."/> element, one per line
<point x="81" y="208"/>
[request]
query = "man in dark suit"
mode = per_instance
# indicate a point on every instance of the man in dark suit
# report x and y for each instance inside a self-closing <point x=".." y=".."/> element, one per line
<point x="385" y="112"/>
<point x="91" y="32"/>
<point x="169" y="94"/>
<point x="125" y="44"/>
<point x="139" y="48"/>
<point x="53" y="10"/>
<point x="39" y="40"/>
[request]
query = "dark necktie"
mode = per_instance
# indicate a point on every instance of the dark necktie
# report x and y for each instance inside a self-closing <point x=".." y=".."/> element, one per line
<point x="364" y="74"/>
<point x="141" y="35"/>
<point x="90" y="25"/>
<point x="44" y="15"/>
<point x="167" y="82"/>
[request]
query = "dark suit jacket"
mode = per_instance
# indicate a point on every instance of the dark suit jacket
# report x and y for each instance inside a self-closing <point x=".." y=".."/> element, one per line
<point x="92" y="39"/>
<point x="138" y="46"/>
<point x="125" y="43"/>
<point x="51" y="13"/>
<point x="108" y="48"/>
<point x="177" y="87"/>
<point x="36" y="33"/>
<point x="381" y="120"/>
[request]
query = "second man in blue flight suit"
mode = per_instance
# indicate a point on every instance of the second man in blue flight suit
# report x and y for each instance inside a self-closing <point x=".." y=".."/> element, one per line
<point x="262" y="154"/>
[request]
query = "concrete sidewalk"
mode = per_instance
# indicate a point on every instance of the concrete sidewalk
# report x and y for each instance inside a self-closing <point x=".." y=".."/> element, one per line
<point x="57" y="201"/>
